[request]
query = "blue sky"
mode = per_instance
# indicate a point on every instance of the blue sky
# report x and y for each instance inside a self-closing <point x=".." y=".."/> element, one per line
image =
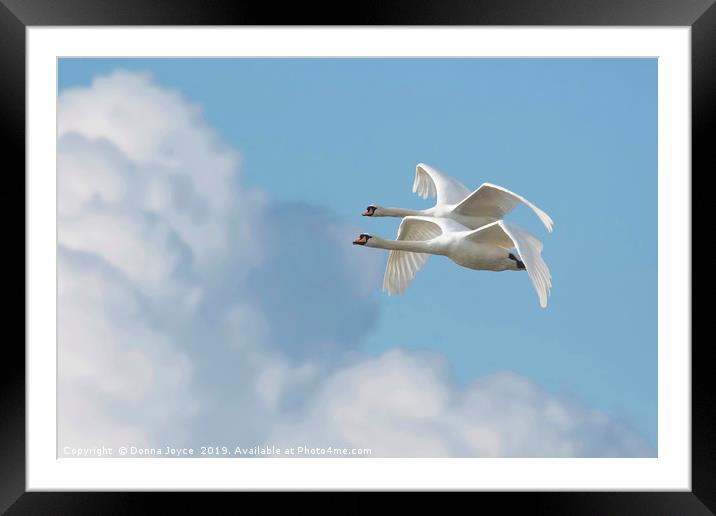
<point x="578" y="137"/>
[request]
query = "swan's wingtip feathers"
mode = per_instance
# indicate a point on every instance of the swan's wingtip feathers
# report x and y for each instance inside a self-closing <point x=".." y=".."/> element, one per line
<point x="546" y="219"/>
<point x="423" y="185"/>
<point x="416" y="184"/>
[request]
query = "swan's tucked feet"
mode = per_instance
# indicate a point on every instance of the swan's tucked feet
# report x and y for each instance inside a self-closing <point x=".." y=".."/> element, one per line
<point x="520" y="265"/>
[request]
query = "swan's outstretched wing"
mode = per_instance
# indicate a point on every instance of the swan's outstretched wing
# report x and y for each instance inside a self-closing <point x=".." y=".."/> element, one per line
<point x="530" y="250"/>
<point x="508" y="235"/>
<point x="403" y="265"/>
<point x="494" y="201"/>
<point x="492" y="234"/>
<point x="430" y="183"/>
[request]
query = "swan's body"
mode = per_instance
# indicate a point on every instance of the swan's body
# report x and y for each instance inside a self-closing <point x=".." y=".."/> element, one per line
<point x="489" y="203"/>
<point x="485" y="248"/>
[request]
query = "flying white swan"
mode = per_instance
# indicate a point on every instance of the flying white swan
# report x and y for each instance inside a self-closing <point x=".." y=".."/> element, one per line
<point x="485" y="248"/>
<point x="488" y="203"/>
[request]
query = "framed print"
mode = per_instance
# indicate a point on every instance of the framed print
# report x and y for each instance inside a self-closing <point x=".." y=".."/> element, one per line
<point x="232" y="286"/>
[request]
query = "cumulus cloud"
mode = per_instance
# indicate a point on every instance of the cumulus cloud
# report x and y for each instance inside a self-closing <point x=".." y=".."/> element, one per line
<point x="120" y="379"/>
<point x="145" y="207"/>
<point x="151" y="204"/>
<point x="193" y="308"/>
<point x="140" y="157"/>
<point x="404" y="404"/>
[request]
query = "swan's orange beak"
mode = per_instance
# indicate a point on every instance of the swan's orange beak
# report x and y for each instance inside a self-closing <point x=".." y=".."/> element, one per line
<point x="369" y="211"/>
<point x="361" y="240"/>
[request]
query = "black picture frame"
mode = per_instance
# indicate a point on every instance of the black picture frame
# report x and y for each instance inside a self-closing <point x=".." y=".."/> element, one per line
<point x="17" y="15"/>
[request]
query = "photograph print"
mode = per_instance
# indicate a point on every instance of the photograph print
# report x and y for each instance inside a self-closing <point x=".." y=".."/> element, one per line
<point x="357" y="257"/>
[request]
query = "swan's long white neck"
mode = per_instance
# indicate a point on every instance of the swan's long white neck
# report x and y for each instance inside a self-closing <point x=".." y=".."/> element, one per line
<point x="397" y="212"/>
<point x="402" y="245"/>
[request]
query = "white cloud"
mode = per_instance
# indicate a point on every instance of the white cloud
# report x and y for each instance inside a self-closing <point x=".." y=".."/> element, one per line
<point x="405" y="404"/>
<point x="138" y="151"/>
<point x="148" y="198"/>
<point x="120" y="379"/>
<point x="180" y="314"/>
